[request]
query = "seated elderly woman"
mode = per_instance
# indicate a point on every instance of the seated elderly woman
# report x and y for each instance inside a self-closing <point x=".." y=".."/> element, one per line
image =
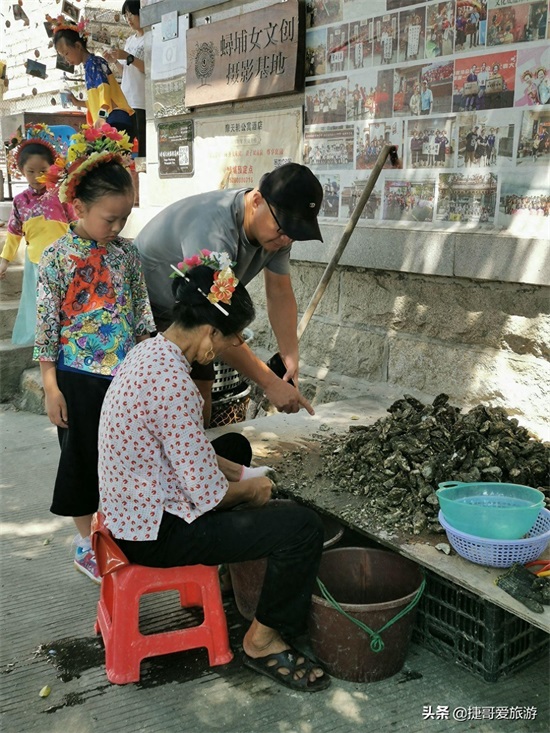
<point x="167" y="502"/>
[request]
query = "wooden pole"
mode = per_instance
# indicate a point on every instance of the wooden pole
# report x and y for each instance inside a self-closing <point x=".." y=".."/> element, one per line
<point x="325" y="279"/>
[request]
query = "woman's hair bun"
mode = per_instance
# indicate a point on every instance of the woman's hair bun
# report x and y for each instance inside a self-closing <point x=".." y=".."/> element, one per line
<point x="186" y="289"/>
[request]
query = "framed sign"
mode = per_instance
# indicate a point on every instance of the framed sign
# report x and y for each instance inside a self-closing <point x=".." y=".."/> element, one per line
<point x="35" y="68"/>
<point x="236" y="151"/>
<point x="70" y="10"/>
<point x="255" y="54"/>
<point x="168" y="70"/>
<point x="175" y="148"/>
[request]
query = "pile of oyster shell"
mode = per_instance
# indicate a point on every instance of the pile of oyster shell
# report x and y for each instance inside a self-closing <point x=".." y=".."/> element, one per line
<point x="398" y="462"/>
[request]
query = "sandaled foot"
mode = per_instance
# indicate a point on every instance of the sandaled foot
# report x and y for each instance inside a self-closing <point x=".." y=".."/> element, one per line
<point x="302" y="645"/>
<point x="290" y="669"/>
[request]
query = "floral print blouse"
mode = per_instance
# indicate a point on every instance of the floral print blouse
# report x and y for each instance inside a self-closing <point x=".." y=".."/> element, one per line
<point x="154" y="455"/>
<point x="92" y="304"/>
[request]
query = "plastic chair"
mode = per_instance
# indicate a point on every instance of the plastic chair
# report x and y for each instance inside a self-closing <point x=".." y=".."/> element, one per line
<point x="123" y="584"/>
<point x="63" y="134"/>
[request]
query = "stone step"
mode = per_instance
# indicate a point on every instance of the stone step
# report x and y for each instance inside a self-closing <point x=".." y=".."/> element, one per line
<point x="8" y="312"/>
<point x="10" y="286"/>
<point x="5" y="211"/>
<point x="13" y="362"/>
<point x="31" y="394"/>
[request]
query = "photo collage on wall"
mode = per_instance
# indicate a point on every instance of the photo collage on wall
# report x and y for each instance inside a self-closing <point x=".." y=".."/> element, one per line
<point x="462" y="87"/>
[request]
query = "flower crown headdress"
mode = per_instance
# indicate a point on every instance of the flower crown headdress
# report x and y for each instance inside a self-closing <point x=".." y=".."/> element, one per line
<point x="35" y="134"/>
<point x="91" y="147"/>
<point x="63" y="24"/>
<point x="224" y="283"/>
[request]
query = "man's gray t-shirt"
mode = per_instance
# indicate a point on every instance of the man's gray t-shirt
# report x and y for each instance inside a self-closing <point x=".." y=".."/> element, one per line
<point x="213" y="221"/>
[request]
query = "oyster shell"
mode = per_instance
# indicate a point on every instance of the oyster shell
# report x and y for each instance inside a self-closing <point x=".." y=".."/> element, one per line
<point x="397" y="463"/>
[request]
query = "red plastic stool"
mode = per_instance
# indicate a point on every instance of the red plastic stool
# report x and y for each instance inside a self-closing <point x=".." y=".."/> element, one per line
<point x="118" y="609"/>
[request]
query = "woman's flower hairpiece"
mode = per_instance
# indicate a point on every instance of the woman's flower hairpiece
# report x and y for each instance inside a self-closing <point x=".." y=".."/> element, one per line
<point x="225" y="281"/>
<point x="90" y="147"/>
<point x="40" y="134"/>
<point x="63" y="24"/>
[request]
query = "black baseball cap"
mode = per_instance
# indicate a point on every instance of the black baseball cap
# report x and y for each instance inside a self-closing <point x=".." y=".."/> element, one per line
<point x="296" y="195"/>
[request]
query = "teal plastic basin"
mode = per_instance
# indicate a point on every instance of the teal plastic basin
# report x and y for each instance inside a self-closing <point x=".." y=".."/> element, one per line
<point x="491" y="510"/>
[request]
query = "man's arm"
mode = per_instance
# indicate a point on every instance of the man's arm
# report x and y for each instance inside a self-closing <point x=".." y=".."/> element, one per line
<point x="284" y="396"/>
<point x="283" y="316"/>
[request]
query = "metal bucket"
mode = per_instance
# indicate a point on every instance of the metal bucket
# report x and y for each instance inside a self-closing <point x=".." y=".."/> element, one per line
<point x="374" y="587"/>
<point x="247" y="577"/>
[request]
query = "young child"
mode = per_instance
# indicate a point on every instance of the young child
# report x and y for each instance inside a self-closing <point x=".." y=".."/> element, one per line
<point x="105" y="100"/>
<point x="92" y="308"/>
<point x="39" y="217"/>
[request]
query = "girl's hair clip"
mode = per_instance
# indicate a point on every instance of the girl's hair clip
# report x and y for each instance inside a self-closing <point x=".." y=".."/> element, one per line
<point x="214" y="303"/>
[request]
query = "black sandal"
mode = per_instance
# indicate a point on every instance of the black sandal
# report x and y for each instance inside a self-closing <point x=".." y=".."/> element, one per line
<point x="282" y="668"/>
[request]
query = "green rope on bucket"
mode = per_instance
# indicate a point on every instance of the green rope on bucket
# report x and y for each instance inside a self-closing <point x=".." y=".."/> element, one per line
<point x="377" y="643"/>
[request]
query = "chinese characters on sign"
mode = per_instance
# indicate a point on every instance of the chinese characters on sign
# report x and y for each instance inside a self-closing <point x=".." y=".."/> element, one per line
<point x="239" y="151"/>
<point x="250" y="55"/>
<point x="175" y="146"/>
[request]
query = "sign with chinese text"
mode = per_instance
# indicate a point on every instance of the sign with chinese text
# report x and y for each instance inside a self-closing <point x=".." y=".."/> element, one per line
<point x="175" y="148"/>
<point x="250" y="55"/>
<point x="237" y="151"/>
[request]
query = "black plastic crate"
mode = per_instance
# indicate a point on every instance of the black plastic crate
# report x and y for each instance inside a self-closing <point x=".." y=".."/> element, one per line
<point x="485" y="639"/>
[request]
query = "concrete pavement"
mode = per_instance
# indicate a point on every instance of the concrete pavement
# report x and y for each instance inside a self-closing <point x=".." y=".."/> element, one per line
<point x="47" y="638"/>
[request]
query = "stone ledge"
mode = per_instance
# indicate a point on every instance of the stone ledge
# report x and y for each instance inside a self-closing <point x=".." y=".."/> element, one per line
<point x="477" y="255"/>
<point x="13" y="362"/>
<point x="31" y="396"/>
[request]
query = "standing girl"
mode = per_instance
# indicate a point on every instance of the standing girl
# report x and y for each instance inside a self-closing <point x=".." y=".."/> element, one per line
<point x="39" y="217"/>
<point x="92" y="308"/>
<point x="105" y="100"/>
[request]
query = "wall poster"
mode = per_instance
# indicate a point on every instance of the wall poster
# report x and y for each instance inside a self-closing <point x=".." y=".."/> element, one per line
<point x="461" y="86"/>
<point x="235" y="152"/>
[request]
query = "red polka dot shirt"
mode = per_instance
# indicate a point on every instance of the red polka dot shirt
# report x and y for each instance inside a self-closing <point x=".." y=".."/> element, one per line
<point x="154" y="455"/>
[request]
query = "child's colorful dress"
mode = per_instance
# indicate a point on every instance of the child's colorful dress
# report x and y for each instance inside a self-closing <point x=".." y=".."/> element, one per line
<point x="41" y="219"/>
<point x="103" y="89"/>
<point x="92" y="304"/>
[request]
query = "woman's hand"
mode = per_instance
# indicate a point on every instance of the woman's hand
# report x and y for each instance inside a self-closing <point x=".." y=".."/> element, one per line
<point x="252" y="491"/>
<point x="261" y="489"/>
<point x="56" y="408"/>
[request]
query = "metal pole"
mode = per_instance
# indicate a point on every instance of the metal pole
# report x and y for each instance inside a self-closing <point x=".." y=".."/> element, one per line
<point x="320" y="290"/>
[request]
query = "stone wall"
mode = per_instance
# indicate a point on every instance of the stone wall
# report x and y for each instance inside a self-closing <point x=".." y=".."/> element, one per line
<point x="477" y="341"/>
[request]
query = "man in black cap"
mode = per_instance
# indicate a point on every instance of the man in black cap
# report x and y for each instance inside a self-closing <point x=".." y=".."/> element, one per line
<point x="256" y="228"/>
